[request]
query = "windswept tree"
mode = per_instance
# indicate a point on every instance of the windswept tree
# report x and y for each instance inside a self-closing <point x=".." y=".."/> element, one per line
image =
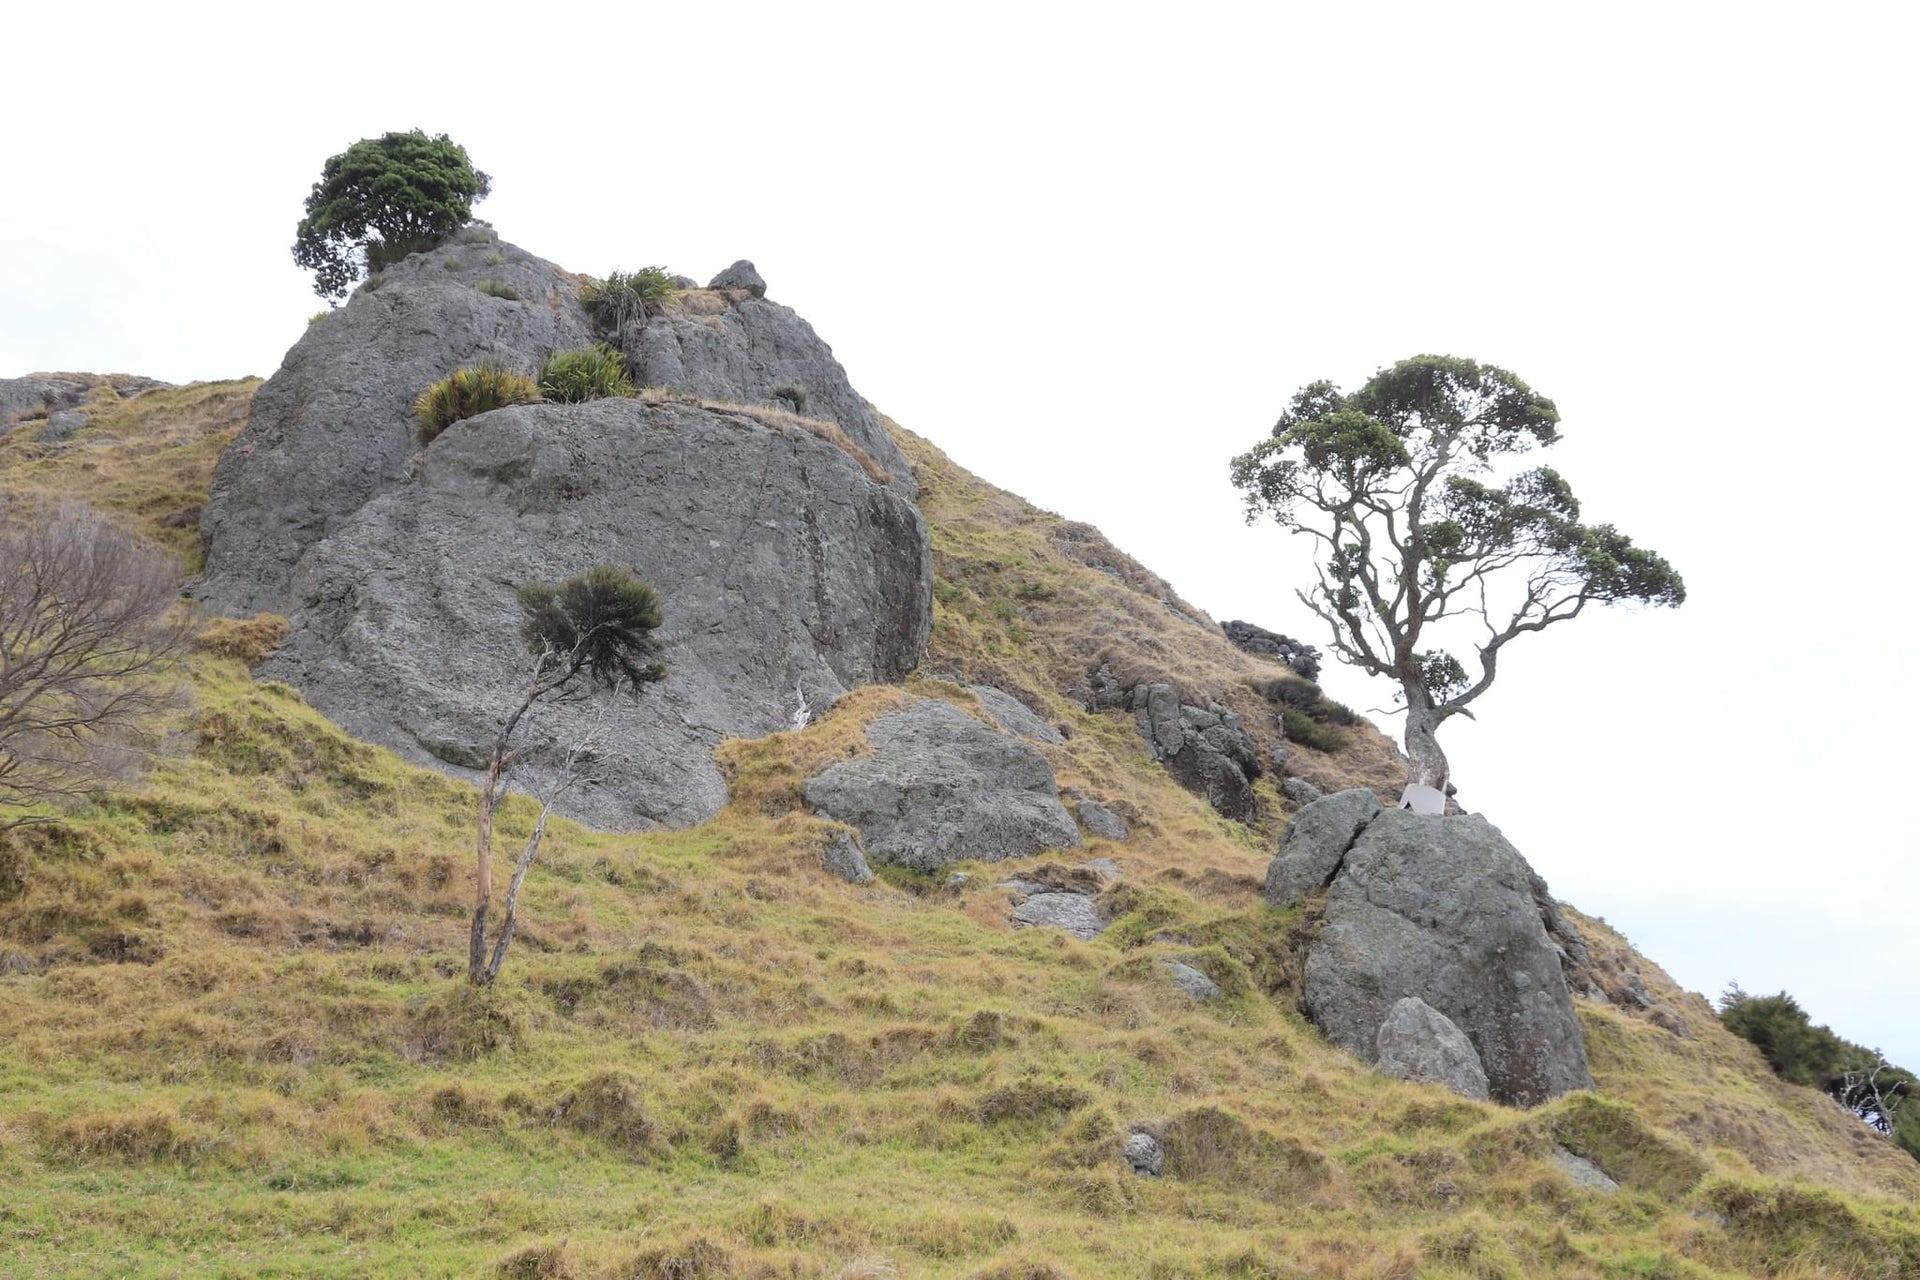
<point x="381" y="199"/>
<point x="1399" y="485"/>
<point x="88" y="630"/>
<point x="592" y="632"/>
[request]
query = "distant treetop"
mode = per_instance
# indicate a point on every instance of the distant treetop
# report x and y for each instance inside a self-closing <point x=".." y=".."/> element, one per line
<point x="381" y="199"/>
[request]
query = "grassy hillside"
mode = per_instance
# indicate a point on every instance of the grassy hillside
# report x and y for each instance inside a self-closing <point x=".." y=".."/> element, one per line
<point x="233" y="1041"/>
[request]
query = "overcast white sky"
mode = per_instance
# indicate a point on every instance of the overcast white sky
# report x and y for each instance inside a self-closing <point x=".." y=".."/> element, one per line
<point x="1091" y="250"/>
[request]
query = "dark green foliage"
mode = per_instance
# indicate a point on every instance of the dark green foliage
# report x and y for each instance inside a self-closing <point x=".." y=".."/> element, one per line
<point x="596" y="373"/>
<point x="795" y="397"/>
<point x="1856" y="1077"/>
<point x="381" y="199"/>
<point x="498" y="289"/>
<point x="1305" y="696"/>
<point x="626" y="297"/>
<point x="467" y="392"/>
<point x="600" y="622"/>
<point x="1303" y="729"/>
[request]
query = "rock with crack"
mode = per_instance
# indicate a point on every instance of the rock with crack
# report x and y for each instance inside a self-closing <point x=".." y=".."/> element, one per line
<point x="844" y="859"/>
<point x="940" y="788"/>
<point x="1417" y="1042"/>
<point x="1316" y="841"/>
<point x="1443" y="908"/>
<point x="1204" y="748"/>
<point x="778" y="562"/>
<point x="1012" y="715"/>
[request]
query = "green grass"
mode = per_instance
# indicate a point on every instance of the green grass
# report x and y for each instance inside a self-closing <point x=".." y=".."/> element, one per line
<point x="233" y="1040"/>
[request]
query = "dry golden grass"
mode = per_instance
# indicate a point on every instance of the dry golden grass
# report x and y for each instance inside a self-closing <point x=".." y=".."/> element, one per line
<point x="784" y="421"/>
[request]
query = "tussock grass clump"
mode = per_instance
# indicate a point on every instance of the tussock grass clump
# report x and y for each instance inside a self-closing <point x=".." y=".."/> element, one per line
<point x="249" y="640"/>
<point x="608" y="1105"/>
<point x="498" y="289"/>
<point x="627" y="297"/>
<point x="468" y="392"/>
<point x="598" y="372"/>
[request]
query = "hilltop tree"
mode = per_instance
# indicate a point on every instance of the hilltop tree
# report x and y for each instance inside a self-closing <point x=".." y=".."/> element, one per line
<point x="1384" y="481"/>
<point x="381" y="199"/>
<point x="88" y="630"/>
<point x="594" y="630"/>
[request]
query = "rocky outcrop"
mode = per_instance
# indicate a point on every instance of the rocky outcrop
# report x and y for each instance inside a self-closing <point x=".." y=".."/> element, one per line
<point x="1098" y="820"/>
<point x="735" y="345"/>
<point x="1303" y="658"/>
<point x="32" y="397"/>
<point x="844" y="859"/>
<point x="1061" y="897"/>
<point x="1315" y="843"/>
<point x="1204" y="748"/>
<point x="1417" y="1042"/>
<point x="50" y="396"/>
<point x="941" y="787"/>
<point x="1442" y="909"/>
<point x="1012" y="715"/>
<point x="786" y="576"/>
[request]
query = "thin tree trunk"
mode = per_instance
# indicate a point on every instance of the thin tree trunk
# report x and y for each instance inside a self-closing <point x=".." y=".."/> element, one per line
<point x="527" y="856"/>
<point x="483" y="875"/>
<point x="1426" y="762"/>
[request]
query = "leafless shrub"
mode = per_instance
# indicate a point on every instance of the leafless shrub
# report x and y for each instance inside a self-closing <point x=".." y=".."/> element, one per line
<point x="88" y="633"/>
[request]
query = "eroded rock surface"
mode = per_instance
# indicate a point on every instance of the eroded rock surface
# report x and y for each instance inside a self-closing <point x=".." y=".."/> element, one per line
<point x="1013" y="715"/>
<point x="1443" y="908"/>
<point x="1418" y="1042"/>
<point x="1316" y="841"/>
<point x="940" y="788"/>
<point x="1204" y="748"/>
<point x="786" y="576"/>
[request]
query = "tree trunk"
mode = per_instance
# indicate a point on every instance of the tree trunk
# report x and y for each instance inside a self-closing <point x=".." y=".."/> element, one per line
<point x="483" y="878"/>
<point x="1426" y="762"/>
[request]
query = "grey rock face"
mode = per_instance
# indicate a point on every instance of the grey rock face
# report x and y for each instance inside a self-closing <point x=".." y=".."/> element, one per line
<point x="1299" y="790"/>
<point x="1192" y="981"/>
<point x="941" y="788"/>
<point x="1584" y="1172"/>
<point x="22" y="397"/>
<point x="844" y="859"/>
<point x="1316" y="841"/>
<point x="63" y="426"/>
<point x="740" y="349"/>
<point x="1304" y="659"/>
<point x="741" y="275"/>
<point x="1012" y="715"/>
<point x="1054" y="909"/>
<point x="1418" y="1042"/>
<point x="1205" y="748"/>
<point x="334" y="427"/>
<point x="1144" y="1155"/>
<point x="1443" y="909"/>
<point x="1102" y="822"/>
<point x="785" y="574"/>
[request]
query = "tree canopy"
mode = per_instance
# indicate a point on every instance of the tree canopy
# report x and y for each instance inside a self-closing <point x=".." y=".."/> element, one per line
<point x="1396" y="484"/>
<point x="383" y="198"/>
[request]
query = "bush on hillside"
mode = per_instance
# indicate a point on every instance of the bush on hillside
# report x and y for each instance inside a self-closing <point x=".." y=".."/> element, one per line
<point x="627" y="297"/>
<point x="467" y="392"/>
<point x="596" y="373"/>
<point x="1856" y="1077"/>
<point x="380" y="200"/>
<point x="1303" y="729"/>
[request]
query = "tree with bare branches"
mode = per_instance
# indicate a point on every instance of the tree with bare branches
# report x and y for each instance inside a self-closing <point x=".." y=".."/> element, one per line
<point x="1386" y="481"/>
<point x="593" y="631"/>
<point x="88" y="630"/>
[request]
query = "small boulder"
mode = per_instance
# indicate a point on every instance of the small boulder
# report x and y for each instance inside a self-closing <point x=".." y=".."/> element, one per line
<point x="1584" y="1172"/>
<point x="1315" y="842"/>
<point x="1144" y="1154"/>
<point x="1012" y="715"/>
<point x="1190" y="980"/>
<point x="1417" y="1042"/>
<point x="1074" y="912"/>
<point x="62" y="426"/>
<point x="844" y="859"/>
<point x="940" y="788"/>
<point x="1098" y="820"/>
<point x="741" y="275"/>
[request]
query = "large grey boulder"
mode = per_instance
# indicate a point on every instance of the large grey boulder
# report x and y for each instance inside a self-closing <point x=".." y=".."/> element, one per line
<point x="1316" y="841"/>
<point x="1203" y="747"/>
<point x="334" y="427"/>
<point x="785" y="574"/>
<point x="1443" y="908"/>
<point x="30" y="397"/>
<point x="741" y="275"/>
<point x="1418" y="1042"/>
<point x="738" y="346"/>
<point x="941" y="787"/>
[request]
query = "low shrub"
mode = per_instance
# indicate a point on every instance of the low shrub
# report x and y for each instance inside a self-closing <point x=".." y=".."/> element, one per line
<point x="596" y="373"/>
<point x="317" y="317"/>
<point x="467" y="392"/>
<point x="496" y="259"/>
<point x="1302" y="728"/>
<point x="382" y="254"/>
<point x="498" y="289"/>
<point x="627" y="297"/>
<point x="793" y="396"/>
